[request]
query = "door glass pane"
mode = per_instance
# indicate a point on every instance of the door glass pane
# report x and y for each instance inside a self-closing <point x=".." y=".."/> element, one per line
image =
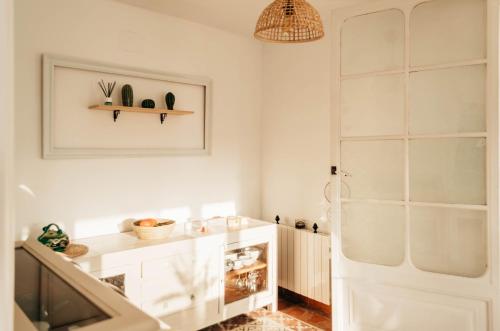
<point x="373" y="233"/>
<point x="374" y="169"/>
<point x="373" y="106"/>
<point x="447" y="240"/>
<point x="448" y="31"/>
<point x="373" y="42"/>
<point x="451" y="170"/>
<point x="448" y="100"/>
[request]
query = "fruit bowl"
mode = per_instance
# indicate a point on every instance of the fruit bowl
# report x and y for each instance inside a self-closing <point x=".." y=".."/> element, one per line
<point x="149" y="229"/>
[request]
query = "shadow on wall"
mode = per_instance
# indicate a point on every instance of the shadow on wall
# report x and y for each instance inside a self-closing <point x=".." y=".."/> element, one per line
<point x="121" y="222"/>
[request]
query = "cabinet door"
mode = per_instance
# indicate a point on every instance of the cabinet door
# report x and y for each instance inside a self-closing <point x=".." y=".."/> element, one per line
<point x="173" y="285"/>
<point x="126" y="278"/>
<point x="167" y="284"/>
<point x="239" y="300"/>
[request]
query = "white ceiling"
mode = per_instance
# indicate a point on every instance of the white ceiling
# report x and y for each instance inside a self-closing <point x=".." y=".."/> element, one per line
<point x="237" y="16"/>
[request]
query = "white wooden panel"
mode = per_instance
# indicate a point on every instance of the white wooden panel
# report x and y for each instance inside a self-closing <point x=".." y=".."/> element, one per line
<point x="316" y="241"/>
<point x="325" y="269"/>
<point x="297" y="245"/>
<point x="386" y="309"/>
<point x="303" y="262"/>
<point x="310" y="266"/>
<point x="280" y="252"/>
<point x="290" y="259"/>
<point x="284" y="257"/>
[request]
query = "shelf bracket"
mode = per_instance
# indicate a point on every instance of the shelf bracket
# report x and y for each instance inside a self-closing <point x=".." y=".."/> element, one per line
<point x="116" y="113"/>
<point x="163" y="117"/>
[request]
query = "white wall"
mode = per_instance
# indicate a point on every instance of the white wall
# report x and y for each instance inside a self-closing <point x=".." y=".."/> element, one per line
<point x="6" y="163"/>
<point x="94" y="196"/>
<point x="296" y="130"/>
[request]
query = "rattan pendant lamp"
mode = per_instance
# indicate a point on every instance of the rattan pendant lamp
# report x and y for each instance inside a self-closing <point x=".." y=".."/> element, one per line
<point x="289" y="21"/>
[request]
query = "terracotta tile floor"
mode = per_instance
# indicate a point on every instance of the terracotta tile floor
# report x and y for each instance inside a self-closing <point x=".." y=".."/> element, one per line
<point x="263" y="320"/>
<point x="291" y="316"/>
<point x="302" y="312"/>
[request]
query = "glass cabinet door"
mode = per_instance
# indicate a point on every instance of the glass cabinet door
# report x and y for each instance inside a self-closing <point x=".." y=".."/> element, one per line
<point x="246" y="272"/>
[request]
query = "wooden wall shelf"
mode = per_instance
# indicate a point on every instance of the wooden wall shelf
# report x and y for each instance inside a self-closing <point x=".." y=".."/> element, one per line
<point x="159" y="111"/>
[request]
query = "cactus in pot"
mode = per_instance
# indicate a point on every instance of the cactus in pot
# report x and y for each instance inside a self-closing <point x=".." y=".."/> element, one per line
<point x="127" y="95"/>
<point x="170" y="100"/>
<point x="148" y="103"/>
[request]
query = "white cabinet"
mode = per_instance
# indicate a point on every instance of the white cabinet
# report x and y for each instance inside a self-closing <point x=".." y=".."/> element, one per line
<point x="180" y="280"/>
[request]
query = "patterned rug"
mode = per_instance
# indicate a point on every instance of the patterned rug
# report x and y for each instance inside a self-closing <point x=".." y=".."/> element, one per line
<point x="262" y="319"/>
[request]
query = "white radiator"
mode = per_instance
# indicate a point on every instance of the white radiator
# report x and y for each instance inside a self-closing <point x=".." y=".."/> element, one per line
<point x="304" y="263"/>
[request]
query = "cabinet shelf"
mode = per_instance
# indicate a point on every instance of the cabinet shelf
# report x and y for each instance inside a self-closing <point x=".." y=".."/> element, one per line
<point x="159" y="111"/>
<point x="256" y="266"/>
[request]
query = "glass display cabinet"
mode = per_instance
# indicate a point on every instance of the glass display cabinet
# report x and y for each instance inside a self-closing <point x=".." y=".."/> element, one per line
<point x="249" y="274"/>
<point x="246" y="272"/>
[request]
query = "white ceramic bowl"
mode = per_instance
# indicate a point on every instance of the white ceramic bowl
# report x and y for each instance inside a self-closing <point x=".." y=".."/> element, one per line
<point x="228" y="266"/>
<point x="232" y="256"/>
<point x="254" y="252"/>
<point x="237" y="264"/>
<point x="248" y="261"/>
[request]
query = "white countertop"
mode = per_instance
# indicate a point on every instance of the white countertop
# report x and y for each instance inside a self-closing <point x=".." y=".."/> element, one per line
<point x="125" y="241"/>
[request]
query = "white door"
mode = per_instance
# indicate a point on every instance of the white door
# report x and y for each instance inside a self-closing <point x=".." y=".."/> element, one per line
<point x="6" y="164"/>
<point x="415" y="241"/>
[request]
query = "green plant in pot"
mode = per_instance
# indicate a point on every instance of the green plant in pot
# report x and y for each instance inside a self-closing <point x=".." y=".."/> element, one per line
<point x="170" y="100"/>
<point x="127" y="95"/>
<point x="56" y="239"/>
<point x="148" y="103"/>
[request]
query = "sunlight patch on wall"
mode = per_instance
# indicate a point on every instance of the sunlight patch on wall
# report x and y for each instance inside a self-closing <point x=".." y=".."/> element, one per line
<point x="218" y="209"/>
<point x="97" y="226"/>
<point x="180" y="214"/>
<point x="27" y="190"/>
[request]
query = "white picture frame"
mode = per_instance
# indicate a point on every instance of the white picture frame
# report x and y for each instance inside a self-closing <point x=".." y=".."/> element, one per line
<point x="50" y="151"/>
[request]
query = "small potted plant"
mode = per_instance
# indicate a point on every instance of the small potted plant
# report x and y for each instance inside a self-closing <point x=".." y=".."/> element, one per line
<point x="107" y="89"/>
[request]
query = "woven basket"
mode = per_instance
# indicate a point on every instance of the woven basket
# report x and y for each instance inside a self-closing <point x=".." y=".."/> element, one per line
<point x="161" y="231"/>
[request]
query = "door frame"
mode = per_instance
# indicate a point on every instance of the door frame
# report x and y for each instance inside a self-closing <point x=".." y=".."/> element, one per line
<point x="434" y="283"/>
<point x="6" y="164"/>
